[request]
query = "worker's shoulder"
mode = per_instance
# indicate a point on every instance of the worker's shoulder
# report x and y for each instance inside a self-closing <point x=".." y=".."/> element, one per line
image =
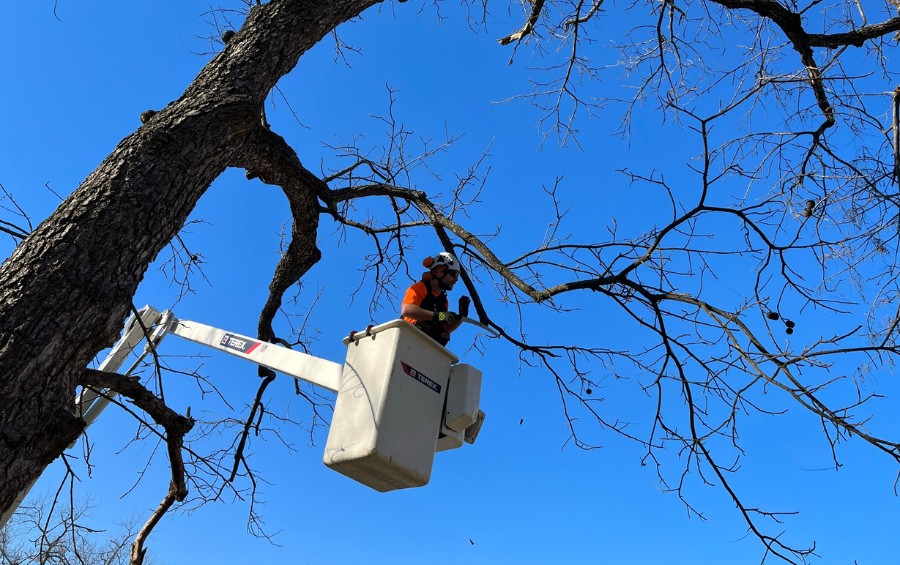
<point x="418" y="286"/>
<point x="417" y="289"/>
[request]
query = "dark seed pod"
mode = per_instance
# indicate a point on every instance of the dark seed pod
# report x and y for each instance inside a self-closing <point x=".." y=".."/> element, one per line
<point x="789" y="323"/>
<point x="589" y="392"/>
<point x="808" y="210"/>
<point x="772" y="315"/>
<point x="789" y="330"/>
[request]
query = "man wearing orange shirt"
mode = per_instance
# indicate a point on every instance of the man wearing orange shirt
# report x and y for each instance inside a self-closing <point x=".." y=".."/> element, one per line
<point x="425" y="303"/>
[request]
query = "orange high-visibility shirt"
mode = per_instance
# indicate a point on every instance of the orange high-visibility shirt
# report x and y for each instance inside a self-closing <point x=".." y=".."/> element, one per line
<point x="420" y="295"/>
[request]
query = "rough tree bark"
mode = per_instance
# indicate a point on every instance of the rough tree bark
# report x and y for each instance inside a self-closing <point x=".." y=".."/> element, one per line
<point x="66" y="289"/>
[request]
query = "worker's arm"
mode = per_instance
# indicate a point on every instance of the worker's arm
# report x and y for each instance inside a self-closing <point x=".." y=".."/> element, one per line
<point x="418" y="314"/>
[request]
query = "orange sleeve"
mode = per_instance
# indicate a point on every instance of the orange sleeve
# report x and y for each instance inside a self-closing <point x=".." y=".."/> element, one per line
<point x="415" y="295"/>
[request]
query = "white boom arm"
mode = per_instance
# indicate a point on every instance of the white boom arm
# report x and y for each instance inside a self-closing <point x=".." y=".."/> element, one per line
<point x="318" y="371"/>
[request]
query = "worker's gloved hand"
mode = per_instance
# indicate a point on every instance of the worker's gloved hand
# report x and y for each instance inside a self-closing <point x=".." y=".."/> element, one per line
<point x="464" y="306"/>
<point x="444" y="317"/>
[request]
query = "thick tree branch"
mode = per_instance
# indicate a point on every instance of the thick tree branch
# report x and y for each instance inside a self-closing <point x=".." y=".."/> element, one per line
<point x="130" y="387"/>
<point x="856" y="38"/>
<point x="267" y="156"/>
<point x="176" y="427"/>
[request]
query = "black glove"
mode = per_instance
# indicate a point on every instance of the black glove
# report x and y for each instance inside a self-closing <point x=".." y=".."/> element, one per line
<point x="444" y="317"/>
<point x="464" y="306"/>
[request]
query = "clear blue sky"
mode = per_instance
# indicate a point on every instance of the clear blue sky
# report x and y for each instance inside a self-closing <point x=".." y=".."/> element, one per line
<point x="75" y="86"/>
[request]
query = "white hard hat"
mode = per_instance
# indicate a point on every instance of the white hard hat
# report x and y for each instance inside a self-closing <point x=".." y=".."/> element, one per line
<point x="442" y="258"/>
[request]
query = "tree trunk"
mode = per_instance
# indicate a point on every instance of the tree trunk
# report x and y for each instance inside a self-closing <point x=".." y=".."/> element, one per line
<point x="67" y="288"/>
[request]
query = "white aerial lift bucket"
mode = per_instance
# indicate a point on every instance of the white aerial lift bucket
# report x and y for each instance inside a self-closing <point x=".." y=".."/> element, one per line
<point x="400" y="393"/>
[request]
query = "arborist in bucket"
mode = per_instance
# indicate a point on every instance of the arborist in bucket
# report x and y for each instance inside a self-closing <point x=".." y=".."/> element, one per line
<point x="425" y="303"/>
